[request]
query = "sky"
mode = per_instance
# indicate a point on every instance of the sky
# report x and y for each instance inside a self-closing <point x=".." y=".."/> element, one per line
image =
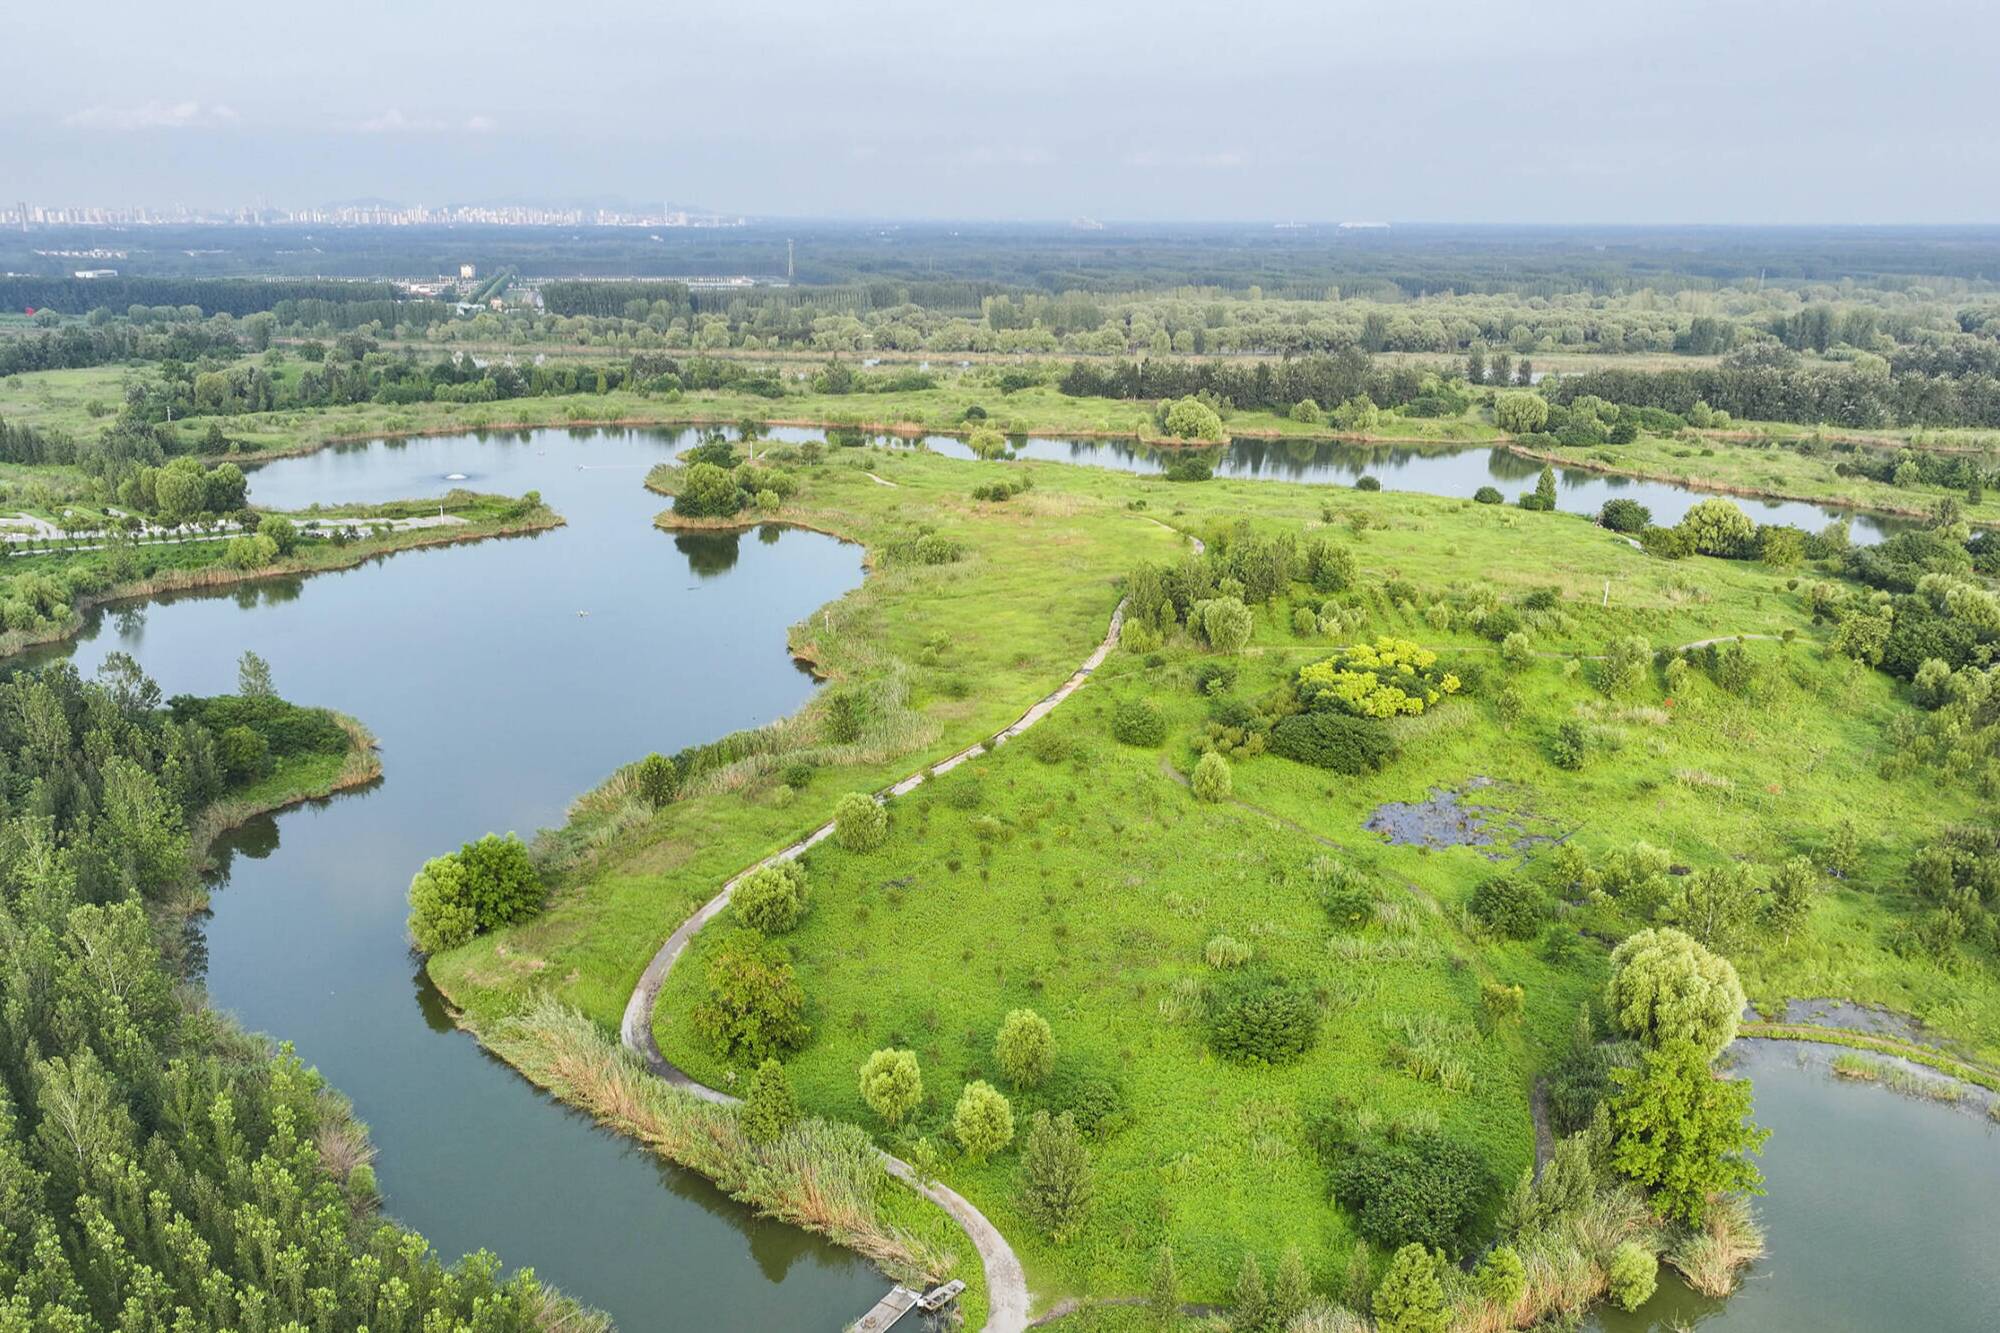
<point x="1747" y="111"/>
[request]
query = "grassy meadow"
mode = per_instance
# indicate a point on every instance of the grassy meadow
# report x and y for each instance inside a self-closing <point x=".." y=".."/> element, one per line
<point x="1076" y="875"/>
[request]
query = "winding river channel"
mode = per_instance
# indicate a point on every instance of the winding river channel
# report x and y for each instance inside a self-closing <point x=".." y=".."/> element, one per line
<point x="505" y="677"/>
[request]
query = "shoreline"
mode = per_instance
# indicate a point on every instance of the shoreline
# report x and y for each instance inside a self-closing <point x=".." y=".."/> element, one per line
<point x="916" y="430"/>
<point x="362" y="766"/>
<point x="1718" y="487"/>
<point x="15" y="642"/>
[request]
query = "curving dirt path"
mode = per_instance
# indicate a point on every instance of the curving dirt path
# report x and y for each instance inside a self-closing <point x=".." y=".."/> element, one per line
<point x="1007" y="1295"/>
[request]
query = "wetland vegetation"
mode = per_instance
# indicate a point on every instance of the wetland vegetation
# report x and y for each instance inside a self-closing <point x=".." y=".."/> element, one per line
<point x="1365" y="939"/>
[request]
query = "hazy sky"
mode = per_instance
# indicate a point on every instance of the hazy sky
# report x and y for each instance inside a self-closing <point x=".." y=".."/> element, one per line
<point x="1413" y="110"/>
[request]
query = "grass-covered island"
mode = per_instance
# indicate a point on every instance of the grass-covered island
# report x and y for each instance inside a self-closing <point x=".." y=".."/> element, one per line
<point x="1399" y="845"/>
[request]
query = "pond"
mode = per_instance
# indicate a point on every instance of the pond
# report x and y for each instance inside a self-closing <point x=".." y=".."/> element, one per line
<point x="1451" y="470"/>
<point x="503" y="679"/>
<point x="1883" y="1212"/>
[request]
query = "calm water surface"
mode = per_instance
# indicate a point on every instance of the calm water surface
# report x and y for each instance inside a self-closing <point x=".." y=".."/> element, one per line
<point x="1453" y="470"/>
<point x="1883" y="1213"/>
<point x="505" y="677"/>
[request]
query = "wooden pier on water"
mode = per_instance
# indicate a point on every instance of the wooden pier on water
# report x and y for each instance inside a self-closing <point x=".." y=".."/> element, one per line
<point x="901" y="1300"/>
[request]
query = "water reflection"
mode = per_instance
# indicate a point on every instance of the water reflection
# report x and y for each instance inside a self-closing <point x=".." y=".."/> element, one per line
<point x="495" y="704"/>
<point x="1455" y="470"/>
<point x="710" y="554"/>
<point x="1882" y="1212"/>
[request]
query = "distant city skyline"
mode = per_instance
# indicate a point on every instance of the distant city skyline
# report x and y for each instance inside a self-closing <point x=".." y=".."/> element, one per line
<point x="370" y="215"/>
<point x="1429" y="110"/>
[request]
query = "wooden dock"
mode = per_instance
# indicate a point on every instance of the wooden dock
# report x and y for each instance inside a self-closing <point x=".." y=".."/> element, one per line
<point x="899" y="1302"/>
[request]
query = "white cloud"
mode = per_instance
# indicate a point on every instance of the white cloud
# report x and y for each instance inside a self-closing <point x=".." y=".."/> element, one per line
<point x="187" y="115"/>
<point x="1228" y="160"/>
<point x="1007" y="155"/>
<point x="393" y="121"/>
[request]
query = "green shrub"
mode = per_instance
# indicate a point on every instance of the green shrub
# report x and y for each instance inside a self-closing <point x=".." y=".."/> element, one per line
<point x="1225" y="623"/>
<point x="772" y="898"/>
<point x="1025" y="1048"/>
<point x="1346" y="893"/>
<point x="1051" y="745"/>
<point x="1056" y="1183"/>
<point x="657" y="780"/>
<point x="440" y="916"/>
<point x="1666" y="987"/>
<point x="1364" y="482"/>
<point x="1212" y="678"/>
<point x="1487" y="495"/>
<point x="860" y="824"/>
<point x="1387" y="678"/>
<point x="1334" y="741"/>
<point x="707" y="491"/>
<point x="1263" y="1020"/>
<point x="754" y="1007"/>
<point x="501" y="882"/>
<point x="1192" y="419"/>
<point x="891" y="1084"/>
<point x="982" y="1122"/>
<point x="1211" y="780"/>
<point x="1501" y="1277"/>
<point x="796" y="775"/>
<point x="1410" y="1298"/>
<point x="769" y="1108"/>
<point x="1421" y="1189"/>
<point x="1632" y="1273"/>
<point x="1139" y="722"/>
<point x="1627" y="516"/>
<point x="243" y="753"/>
<point x="1509" y="905"/>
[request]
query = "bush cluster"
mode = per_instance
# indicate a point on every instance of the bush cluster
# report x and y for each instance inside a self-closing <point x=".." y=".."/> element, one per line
<point x="1334" y="741"/>
<point x="1263" y="1020"/>
<point x="481" y="886"/>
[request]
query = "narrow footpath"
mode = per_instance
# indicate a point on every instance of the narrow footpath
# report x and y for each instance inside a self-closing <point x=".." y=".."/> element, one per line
<point x="1007" y="1295"/>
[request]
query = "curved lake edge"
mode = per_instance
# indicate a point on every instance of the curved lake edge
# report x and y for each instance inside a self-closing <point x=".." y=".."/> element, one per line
<point x="340" y="559"/>
<point x="916" y="431"/>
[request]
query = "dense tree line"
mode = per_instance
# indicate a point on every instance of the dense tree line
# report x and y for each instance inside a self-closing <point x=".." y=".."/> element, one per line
<point x="1267" y="385"/>
<point x="1785" y="390"/>
<point x="158" y="1170"/>
<point x="226" y="296"/>
<point x="615" y="298"/>
<point x="74" y="346"/>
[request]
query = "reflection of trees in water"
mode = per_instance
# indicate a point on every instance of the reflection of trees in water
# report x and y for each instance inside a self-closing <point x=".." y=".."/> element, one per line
<point x="709" y="553"/>
<point x="430" y="1001"/>
<point x="266" y="592"/>
<point x="1506" y="465"/>
<point x="770" y="533"/>
<point x="193" y="953"/>
<point x="130" y="624"/>
<point x="254" y="838"/>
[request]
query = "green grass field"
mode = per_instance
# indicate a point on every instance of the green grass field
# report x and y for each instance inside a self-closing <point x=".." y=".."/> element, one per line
<point x="1076" y="875"/>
